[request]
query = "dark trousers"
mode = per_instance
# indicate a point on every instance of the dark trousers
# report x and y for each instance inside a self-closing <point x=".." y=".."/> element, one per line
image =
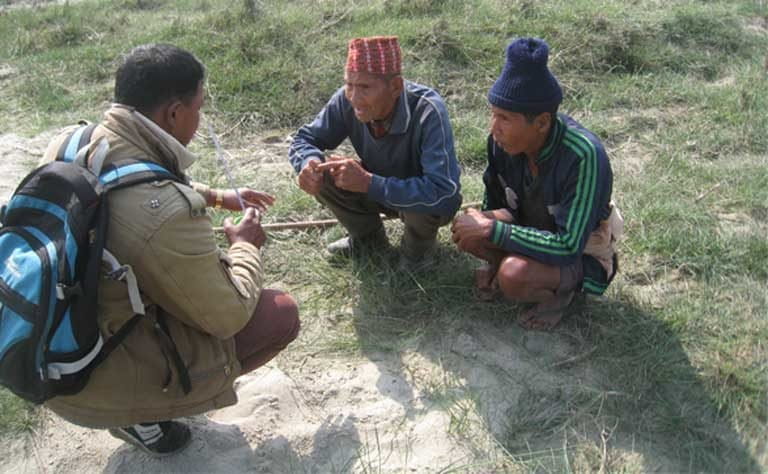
<point x="360" y="215"/>
<point x="274" y="324"/>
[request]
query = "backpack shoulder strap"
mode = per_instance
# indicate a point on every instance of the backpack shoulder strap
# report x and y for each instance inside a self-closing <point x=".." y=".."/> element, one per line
<point x="131" y="171"/>
<point x="75" y="141"/>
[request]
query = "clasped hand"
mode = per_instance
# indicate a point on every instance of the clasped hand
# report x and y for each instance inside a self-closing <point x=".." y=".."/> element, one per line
<point x="470" y="228"/>
<point x="347" y="174"/>
<point x="247" y="230"/>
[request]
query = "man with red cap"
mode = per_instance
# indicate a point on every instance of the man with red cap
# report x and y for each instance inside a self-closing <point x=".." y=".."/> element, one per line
<point x="407" y="164"/>
<point x="548" y="226"/>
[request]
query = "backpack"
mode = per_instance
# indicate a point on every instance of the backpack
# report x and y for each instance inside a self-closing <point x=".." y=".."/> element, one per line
<point x="51" y="258"/>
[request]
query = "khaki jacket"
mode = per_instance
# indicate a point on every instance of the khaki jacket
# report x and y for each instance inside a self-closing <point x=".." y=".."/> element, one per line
<point x="162" y="230"/>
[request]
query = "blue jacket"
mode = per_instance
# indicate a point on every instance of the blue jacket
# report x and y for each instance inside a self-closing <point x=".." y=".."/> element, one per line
<point x="414" y="166"/>
<point x="577" y="181"/>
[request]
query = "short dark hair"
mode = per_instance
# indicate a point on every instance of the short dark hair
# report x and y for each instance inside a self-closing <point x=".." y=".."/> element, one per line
<point x="154" y="74"/>
<point x="531" y="116"/>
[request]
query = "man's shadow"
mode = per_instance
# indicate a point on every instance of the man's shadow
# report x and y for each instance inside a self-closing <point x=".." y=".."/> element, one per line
<point x="220" y="447"/>
<point x="613" y="379"/>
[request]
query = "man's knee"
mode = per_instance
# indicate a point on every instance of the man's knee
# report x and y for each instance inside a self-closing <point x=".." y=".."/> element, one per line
<point x="423" y="226"/>
<point x="514" y="277"/>
<point x="280" y="311"/>
<point x="287" y="312"/>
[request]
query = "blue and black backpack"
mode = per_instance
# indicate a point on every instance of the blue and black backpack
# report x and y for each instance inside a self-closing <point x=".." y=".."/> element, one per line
<point x="52" y="256"/>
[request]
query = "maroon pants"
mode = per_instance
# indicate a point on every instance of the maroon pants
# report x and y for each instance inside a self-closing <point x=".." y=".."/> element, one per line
<point x="274" y="324"/>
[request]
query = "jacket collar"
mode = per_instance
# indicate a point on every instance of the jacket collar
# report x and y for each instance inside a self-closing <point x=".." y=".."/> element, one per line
<point x="553" y="140"/>
<point x="157" y="144"/>
<point x="402" y="116"/>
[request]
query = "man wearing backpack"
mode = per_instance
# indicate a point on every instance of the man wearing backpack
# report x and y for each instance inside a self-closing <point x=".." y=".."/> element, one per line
<point x="208" y="319"/>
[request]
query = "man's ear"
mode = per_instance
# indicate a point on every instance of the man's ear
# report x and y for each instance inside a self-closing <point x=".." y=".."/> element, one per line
<point x="171" y="111"/>
<point x="165" y="115"/>
<point x="543" y="122"/>
<point x="397" y="85"/>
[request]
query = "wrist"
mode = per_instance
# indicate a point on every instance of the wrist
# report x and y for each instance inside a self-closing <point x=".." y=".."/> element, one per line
<point x="488" y="228"/>
<point x="368" y="181"/>
<point x="217" y="198"/>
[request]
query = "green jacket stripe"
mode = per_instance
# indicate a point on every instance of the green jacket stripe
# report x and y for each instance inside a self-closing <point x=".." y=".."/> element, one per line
<point x="578" y="214"/>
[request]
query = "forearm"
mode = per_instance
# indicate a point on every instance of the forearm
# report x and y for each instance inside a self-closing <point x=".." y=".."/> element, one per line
<point x="546" y="247"/>
<point x="424" y="194"/>
<point x="303" y="149"/>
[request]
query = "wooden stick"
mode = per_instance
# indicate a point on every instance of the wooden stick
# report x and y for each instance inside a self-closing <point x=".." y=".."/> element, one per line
<point x="322" y="223"/>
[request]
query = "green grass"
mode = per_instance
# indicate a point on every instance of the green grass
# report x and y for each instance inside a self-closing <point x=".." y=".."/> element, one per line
<point x="675" y="377"/>
<point x="16" y="415"/>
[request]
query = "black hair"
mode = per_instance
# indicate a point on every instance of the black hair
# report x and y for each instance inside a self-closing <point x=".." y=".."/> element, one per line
<point x="154" y="74"/>
<point x="531" y="116"/>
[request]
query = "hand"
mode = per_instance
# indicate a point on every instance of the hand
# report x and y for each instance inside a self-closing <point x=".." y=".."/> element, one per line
<point x="502" y="215"/>
<point x="470" y="229"/>
<point x="250" y="197"/>
<point x="247" y="230"/>
<point x="311" y="180"/>
<point x="347" y="174"/>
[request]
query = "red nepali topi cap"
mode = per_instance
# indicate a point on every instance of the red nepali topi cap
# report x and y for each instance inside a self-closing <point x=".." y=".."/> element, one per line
<point x="375" y="55"/>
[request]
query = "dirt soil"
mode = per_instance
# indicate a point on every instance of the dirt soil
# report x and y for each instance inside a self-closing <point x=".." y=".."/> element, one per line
<point x="312" y="414"/>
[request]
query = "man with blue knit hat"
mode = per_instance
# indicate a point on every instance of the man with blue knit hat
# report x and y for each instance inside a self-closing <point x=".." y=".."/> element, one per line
<point x="548" y="227"/>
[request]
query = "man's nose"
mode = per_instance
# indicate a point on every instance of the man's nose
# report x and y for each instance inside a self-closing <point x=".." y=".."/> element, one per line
<point x="352" y="95"/>
<point x="492" y="124"/>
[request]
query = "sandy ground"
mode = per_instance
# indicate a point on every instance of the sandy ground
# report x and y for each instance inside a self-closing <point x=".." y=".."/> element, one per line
<point x="442" y="405"/>
<point x="314" y="415"/>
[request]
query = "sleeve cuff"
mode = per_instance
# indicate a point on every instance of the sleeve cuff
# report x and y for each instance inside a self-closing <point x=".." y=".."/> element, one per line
<point x="497" y="232"/>
<point x="200" y="187"/>
<point x="310" y="158"/>
<point x="376" y="189"/>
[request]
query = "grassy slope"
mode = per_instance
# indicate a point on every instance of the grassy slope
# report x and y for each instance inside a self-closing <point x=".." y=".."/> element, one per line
<point x="676" y="89"/>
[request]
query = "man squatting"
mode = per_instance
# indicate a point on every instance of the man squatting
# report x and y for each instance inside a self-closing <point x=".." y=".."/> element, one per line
<point x="407" y="166"/>
<point x="211" y="304"/>
<point x="548" y="226"/>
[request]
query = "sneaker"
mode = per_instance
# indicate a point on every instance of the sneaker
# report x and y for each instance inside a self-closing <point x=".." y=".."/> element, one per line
<point x="156" y="439"/>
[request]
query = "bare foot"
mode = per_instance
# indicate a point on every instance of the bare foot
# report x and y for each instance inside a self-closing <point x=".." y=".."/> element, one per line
<point x="486" y="284"/>
<point x="546" y="315"/>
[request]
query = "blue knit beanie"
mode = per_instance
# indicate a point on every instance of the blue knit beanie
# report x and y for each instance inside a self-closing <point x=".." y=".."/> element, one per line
<point x="525" y="84"/>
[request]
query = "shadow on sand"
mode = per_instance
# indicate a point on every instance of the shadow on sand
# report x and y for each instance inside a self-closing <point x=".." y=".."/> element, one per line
<point x="612" y="380"/>
<point x="225" y="448"/>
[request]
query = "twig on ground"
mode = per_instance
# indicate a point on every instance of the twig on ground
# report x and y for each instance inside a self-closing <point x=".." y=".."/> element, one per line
<point x="233" y="127"/>
<point x="574" y="359"/>
<point x="335" y="21"/>
<point x="604" y="457"/>
<point x="605" y="435"/>
<point x="705" y="193"/>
